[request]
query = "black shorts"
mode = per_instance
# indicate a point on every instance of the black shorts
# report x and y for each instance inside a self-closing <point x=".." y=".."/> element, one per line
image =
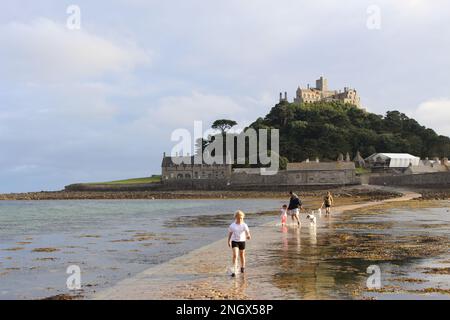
<point x="238" y="244"/>
<point x="327" y="205"/>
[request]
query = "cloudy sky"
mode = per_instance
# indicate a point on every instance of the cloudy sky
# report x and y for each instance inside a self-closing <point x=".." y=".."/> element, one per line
<point x="100" y="103"/>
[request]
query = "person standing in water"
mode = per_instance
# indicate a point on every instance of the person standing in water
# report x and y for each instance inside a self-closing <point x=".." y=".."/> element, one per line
<point x="294" y="207"/>
<point x="283" y="215"/>
<point x="327" y="202"/>
<point x="238" y="233"/>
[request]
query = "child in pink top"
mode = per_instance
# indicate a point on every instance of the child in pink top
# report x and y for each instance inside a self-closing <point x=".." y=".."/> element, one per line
<point x="283" y="215"/>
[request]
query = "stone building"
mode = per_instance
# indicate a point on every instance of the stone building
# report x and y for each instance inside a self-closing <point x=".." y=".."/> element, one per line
<point x="307" y="173"/>
<point x="183" y="173"/>
<point x="321" y="92"/>
<point x="184" y="168"/>
<point x="321" y="173"/>
<point x="429" y="166"/>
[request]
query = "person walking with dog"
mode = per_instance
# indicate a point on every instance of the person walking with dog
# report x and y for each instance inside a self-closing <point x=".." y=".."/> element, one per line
<point x="294" y="207"/>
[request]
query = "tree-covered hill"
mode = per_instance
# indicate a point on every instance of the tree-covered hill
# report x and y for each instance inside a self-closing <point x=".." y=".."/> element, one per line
<point x="325" y="129"/>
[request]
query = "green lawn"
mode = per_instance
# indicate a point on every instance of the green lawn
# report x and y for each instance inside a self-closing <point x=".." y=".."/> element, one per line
<point x="151" y="179"/>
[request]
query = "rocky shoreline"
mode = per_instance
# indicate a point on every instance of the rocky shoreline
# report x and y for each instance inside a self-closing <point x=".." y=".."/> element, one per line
<point x="356" y="192"/>
<point x="434" y="194"/>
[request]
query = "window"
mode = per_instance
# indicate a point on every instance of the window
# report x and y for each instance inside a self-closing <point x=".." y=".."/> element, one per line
<point x="180" y="176"/>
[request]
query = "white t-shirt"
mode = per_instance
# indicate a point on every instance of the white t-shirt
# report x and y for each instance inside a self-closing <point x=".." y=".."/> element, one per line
<point x="238" y="231"/>
<point x="283" y="213"/>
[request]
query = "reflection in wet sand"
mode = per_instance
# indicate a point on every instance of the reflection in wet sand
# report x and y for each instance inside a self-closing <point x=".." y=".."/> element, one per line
<point x="325" y="261"/>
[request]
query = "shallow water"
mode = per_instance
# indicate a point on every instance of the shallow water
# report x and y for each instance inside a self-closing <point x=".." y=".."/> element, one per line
<point x="328" y="260"/>
<point x="305" y="263"/>
<point x="114" y="240"/>
<point x="109" y="240"/>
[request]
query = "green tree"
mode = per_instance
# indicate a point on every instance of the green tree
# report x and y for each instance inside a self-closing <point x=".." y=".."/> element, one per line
<point x="223" y="125"/>
<point x="325" y="129"/>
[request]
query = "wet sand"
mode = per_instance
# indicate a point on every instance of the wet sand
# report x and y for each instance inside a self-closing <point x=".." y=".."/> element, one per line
<point x="204" y="273"/>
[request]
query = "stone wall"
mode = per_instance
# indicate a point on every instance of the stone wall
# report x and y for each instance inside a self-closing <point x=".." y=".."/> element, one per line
<point x="205" y="172"/>
<point x="298" y="178"/>
<point x="240" y="181"/>
<point x="419" y="180"/>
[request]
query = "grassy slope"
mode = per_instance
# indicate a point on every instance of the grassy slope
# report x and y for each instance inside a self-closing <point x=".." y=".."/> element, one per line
<point x="130" y="181"/>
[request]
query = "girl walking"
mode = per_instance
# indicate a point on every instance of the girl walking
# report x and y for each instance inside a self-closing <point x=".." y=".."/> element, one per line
<point x="238" y="233"/>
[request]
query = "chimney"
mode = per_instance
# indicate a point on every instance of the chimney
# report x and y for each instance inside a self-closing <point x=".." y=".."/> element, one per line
<point x="317" y="159"/>
<point x="307" y="160"/>
<point x="164" y="154"/>
<point x="281" y="97"/>
<point x="285" y="95"/>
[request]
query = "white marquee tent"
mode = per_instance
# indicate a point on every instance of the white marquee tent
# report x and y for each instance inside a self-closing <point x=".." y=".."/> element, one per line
<point x="395" y="160"/>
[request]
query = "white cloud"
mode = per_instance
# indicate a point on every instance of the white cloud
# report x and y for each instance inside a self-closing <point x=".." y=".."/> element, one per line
<point x="82" y="105"/>
<point x="45" y="50"/>
<point x="435" y="114"/>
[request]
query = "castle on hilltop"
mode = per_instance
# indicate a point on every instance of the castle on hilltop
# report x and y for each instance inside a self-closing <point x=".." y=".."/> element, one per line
<point x="322" y="93"/>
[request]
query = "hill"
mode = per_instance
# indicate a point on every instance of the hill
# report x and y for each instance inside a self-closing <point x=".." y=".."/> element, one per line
<point x="325" y="129"/>
<point x="152" y="179"/>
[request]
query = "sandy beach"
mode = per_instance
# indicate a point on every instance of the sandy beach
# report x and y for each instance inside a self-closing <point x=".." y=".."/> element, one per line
<point x="204" y="274"/>
<point x="175" y="248"/>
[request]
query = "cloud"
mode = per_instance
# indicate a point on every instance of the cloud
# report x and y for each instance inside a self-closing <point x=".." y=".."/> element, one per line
<point x="435" y="114"/>
<point x="44" y="50"/>
<point x="96" y="104"/>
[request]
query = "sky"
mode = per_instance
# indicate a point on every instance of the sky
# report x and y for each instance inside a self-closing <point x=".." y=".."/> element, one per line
<point x="100" y="102"/>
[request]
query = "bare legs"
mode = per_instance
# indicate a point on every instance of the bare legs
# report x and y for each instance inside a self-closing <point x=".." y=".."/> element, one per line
<point x="242" y="257"/>
<point x="295" y="217"/>
<point x="235" y="254"/>
<point x="241" y="254"/>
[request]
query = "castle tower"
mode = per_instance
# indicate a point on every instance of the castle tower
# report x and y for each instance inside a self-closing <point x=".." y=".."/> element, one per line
<point x="285" y="96"/>
<point x="322" y="84"/>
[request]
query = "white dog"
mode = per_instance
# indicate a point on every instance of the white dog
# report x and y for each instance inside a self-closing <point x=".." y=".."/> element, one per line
<point x="312" y="218"/>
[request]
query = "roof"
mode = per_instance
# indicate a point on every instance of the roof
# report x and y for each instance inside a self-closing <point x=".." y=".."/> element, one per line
<point x="168" y="161"/>
<point x="393" y="155"/>
<point x="328" y="166"/>
<point x="247" y="170"/>
<point x="426" y="169"/>
<point x="178" y="160"/>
